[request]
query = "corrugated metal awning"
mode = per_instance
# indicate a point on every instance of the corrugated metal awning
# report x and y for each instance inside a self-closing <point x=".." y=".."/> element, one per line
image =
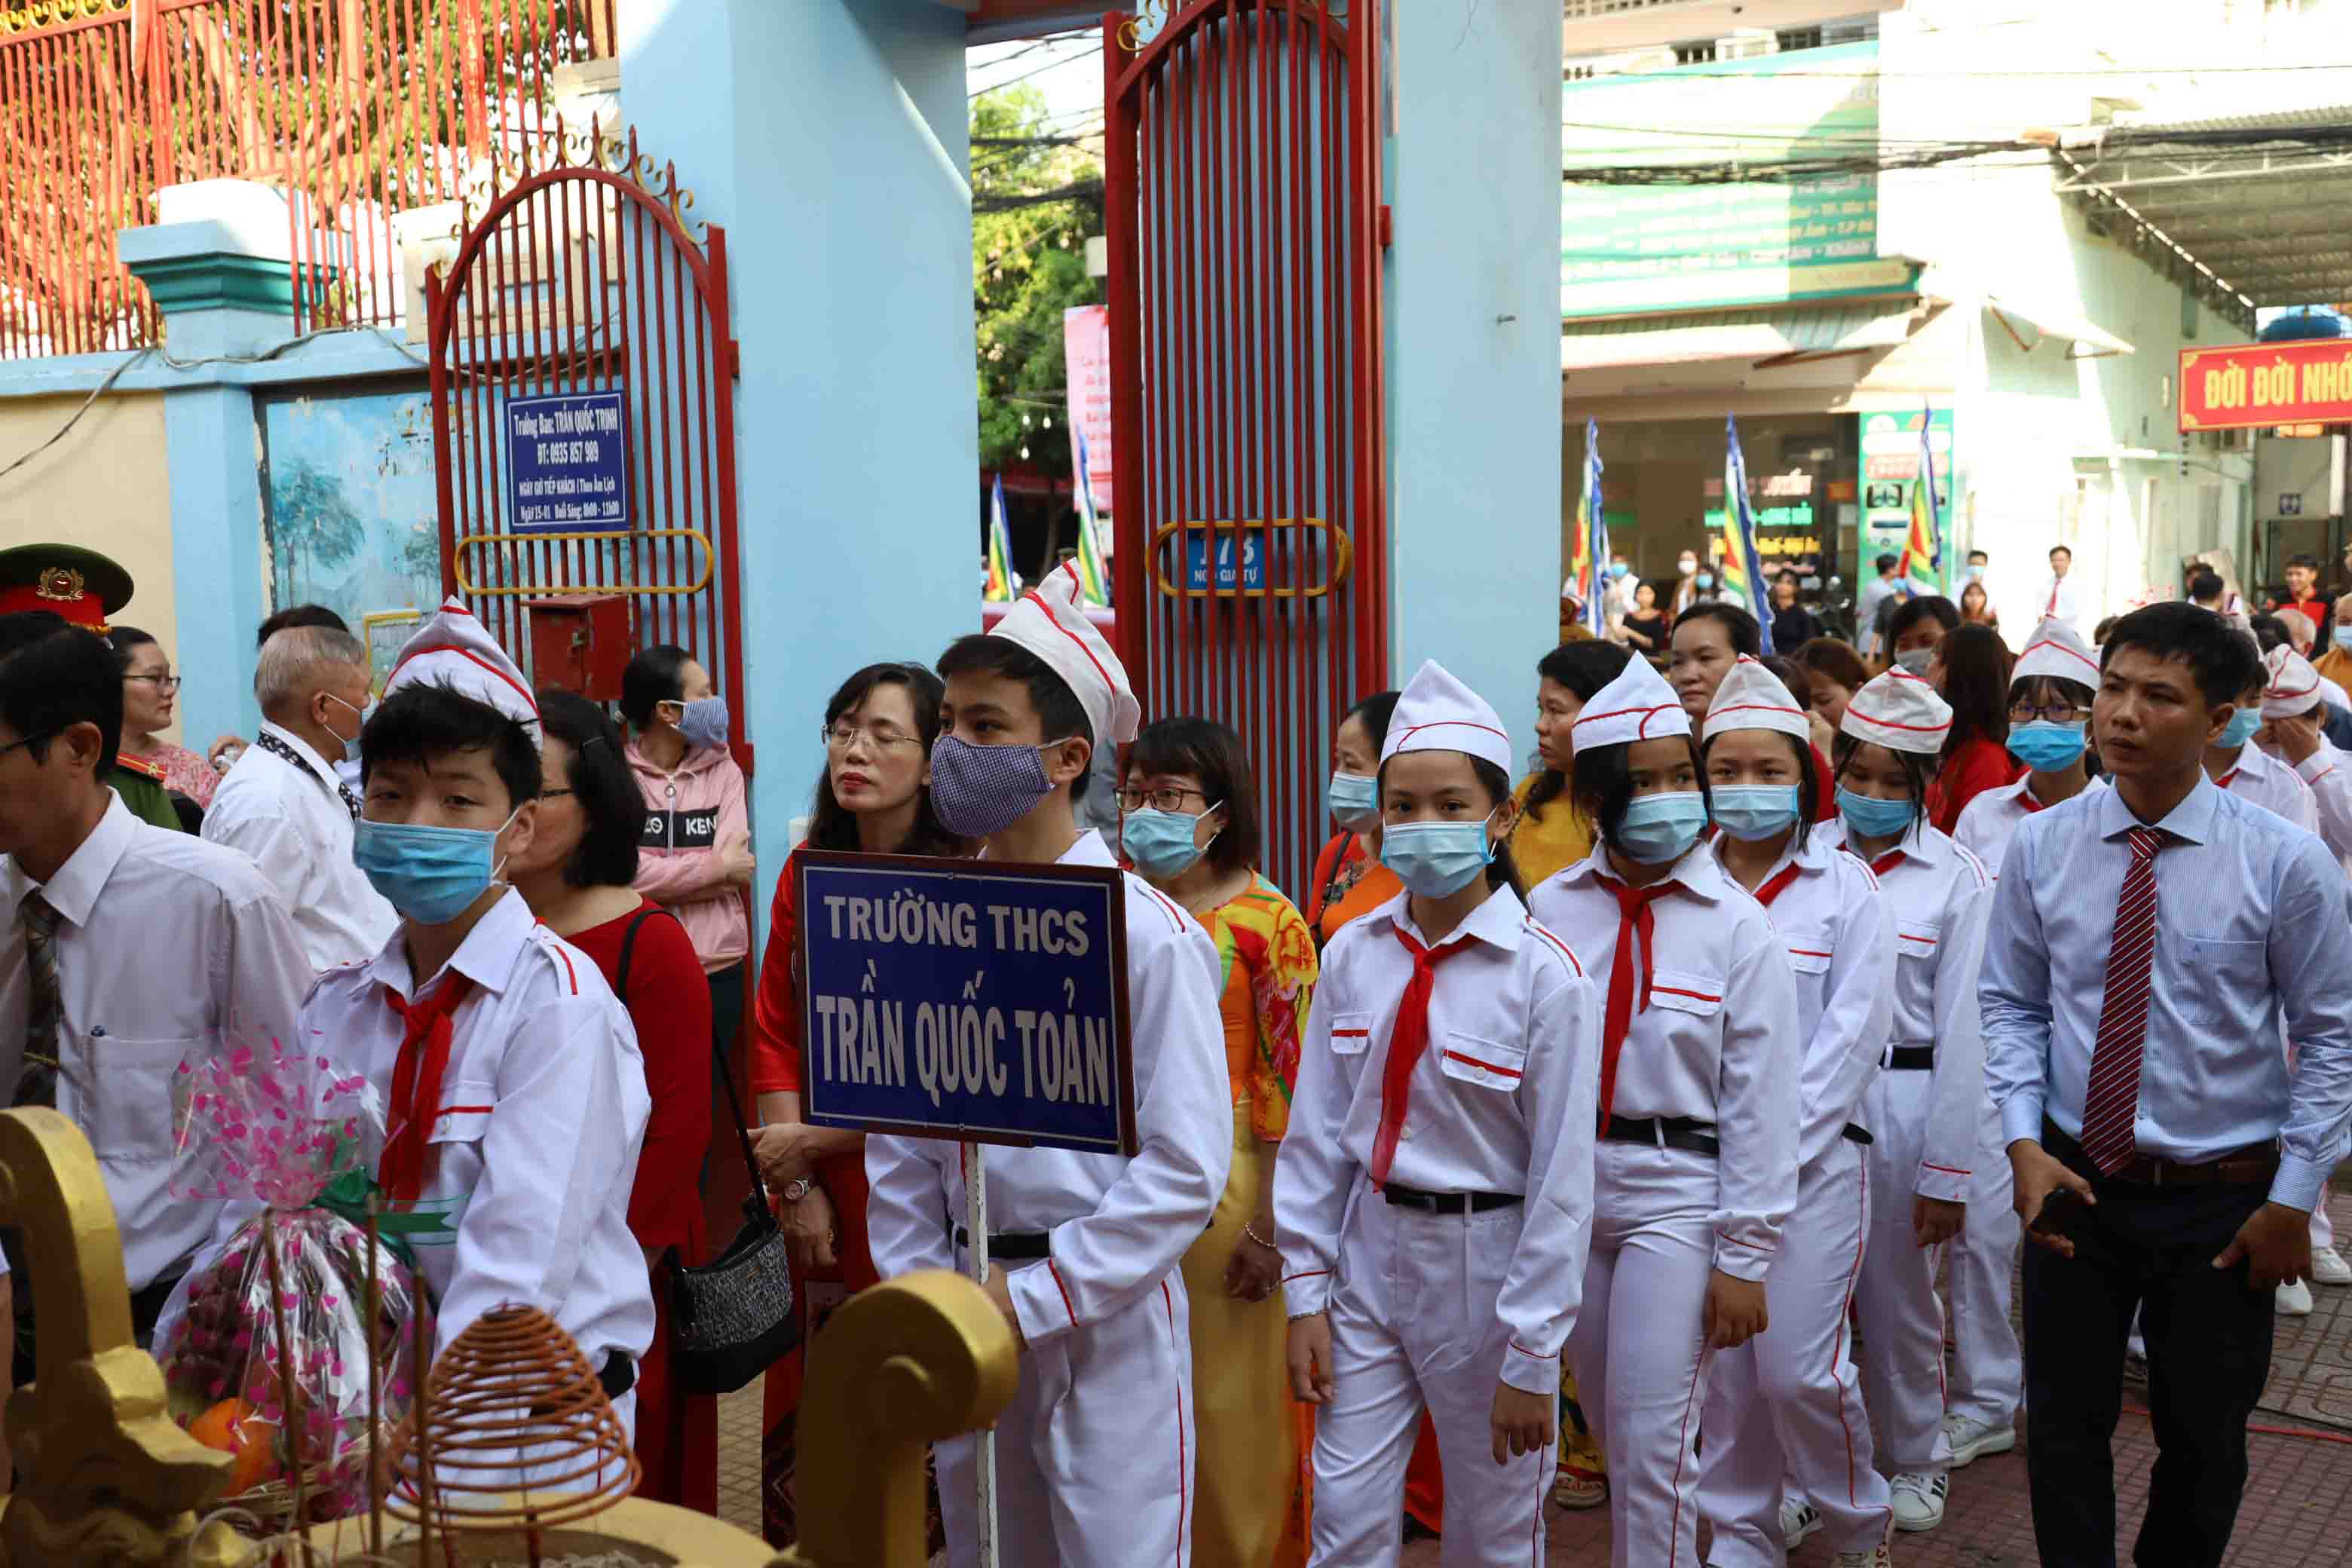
<point x="1780" y="332"/>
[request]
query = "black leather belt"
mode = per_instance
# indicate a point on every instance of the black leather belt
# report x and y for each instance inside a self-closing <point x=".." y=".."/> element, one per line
<point x="1404" y="1198"/>
<point x="1684" y="1132"/>
<point x="1012" y="1246"/>
<point x="1854" y="1134"/>
<point x="2252" y="1166"/>
<point x="1910" y="1059"/>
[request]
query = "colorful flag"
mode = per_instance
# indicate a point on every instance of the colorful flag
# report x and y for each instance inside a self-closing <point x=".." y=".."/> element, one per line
<point x="1592" y="563"/>
<point x="1743" y="576"/>
<point x="1921" y="568"/>
<point x="1004" y="583"/>
<point x="1094" y="572"/>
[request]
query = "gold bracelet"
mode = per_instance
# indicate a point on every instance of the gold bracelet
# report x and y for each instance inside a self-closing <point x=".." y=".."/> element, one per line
<point x="1262" y="1241"/>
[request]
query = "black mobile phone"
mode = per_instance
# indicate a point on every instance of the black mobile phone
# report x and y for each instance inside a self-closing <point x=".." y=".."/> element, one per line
<point x="2058" y="1211"/>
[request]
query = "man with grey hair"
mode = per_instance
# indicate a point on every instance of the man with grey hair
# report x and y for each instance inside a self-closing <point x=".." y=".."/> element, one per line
<point x="283" y="804"/>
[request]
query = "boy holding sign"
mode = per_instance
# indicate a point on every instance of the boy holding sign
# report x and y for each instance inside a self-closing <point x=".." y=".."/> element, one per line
<point x="1095" y="1453"/>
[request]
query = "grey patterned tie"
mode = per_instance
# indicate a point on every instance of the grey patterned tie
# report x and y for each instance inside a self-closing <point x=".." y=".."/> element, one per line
<point x="44" y="1006"/>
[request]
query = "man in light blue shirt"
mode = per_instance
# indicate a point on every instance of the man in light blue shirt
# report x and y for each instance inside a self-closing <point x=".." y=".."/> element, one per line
<point x="2147" y="942"/>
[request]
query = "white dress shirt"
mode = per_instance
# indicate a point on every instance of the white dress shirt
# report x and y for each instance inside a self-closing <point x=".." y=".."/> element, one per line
<point x="1875" y="593"/>
<point x="1688" y="1055"/>
<point x="2271" y="783"/>
<point x="1503" y="1101"/>
<point x="1841" y="940"/>
<point x="167" y="948"/>
<point x="2250" y="927"/>
<point x="288" y="819"/>
<point x="543" y="1109"/>
<point x="1988" y="822"/>
<point x="2060" y="597"/>
<point x="2329" y="691"/>
<point x="1941" y="897"/>
<point x="2327" y="774"/>
<point x="1119" y="1225"/>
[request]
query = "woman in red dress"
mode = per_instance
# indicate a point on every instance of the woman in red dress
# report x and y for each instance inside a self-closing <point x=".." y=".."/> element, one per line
<point x="875" y="795"/>
<point x="575" y="876"/>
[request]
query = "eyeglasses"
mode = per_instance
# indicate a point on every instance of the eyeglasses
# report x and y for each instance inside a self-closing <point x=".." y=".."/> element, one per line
<point x="27" y="741"/>
<point x="840" y="737"/>
<point x="166" y="684"/>
<point x="1169" y="799"/>
<point x="2055" y="714"/>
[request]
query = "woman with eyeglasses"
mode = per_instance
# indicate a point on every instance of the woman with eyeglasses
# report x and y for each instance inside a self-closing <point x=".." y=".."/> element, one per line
<point x="148" y="767"/>
<point x="1190" y="826"/>
<point x="1969" y="669"/>
<point x="874" y="795"/>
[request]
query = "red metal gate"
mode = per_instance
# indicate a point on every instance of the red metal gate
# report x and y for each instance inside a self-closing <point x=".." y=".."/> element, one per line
<point x="582" y="278"/>
<point x="1243" y="179"/>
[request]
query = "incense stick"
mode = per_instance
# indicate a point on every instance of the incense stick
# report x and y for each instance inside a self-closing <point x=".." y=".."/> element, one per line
<point x="375" y="1381"/>
<point x="287" y="1388"/>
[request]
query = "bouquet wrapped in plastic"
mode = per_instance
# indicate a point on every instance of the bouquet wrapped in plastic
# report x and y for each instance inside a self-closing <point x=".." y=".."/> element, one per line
<point x="269" y="1357"/>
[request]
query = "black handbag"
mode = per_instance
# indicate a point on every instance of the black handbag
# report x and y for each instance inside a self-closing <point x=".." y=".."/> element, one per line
<point x="732" y="1317"/>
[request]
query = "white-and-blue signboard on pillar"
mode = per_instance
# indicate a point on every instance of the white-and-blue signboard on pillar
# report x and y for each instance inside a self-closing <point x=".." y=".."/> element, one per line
<point x="1241" y="562"/>
<point x="964" y="1000"/>
<point x="568" y="462"/>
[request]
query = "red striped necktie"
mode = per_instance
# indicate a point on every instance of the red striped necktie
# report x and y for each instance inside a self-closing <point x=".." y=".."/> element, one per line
<point x="1634" y="920"/>
<point x="1408" y="1042"/>
<point x="2111" y="1102"/>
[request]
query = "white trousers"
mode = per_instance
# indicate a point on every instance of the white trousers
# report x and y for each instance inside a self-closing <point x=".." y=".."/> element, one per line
<point x="2323" y="1228"/>
<point x="1902" y="1317"/>
<point x="1093" y="1456"/>
<point x="1639" y="1350"/>
<point x="1788" y="1404"/>
<point x="1414" y="1325"/>
<point x="1987" y="1372"/>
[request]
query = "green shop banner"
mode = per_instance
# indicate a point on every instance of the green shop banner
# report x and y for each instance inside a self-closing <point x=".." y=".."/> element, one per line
<point x="1890" y="472"/>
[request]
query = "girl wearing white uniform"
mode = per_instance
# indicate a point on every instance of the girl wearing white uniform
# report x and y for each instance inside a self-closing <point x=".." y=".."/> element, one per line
<point x="1926" y="1111"/>
<point x="1696" y="1170"/>
<point x="2050" y="693"/>
<point x="1789" y="1401"/>
<point x="1435" y="1199"/>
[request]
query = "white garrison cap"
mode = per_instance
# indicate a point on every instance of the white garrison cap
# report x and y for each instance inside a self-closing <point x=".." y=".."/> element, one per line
<point x="1752" y="698"/>
<point x="1637" y="706"/>
<point x="454" y="649"/>
<point x="1437" y="712"/>
<point x="1051" y="622"/>
<point x="2057" y="650"/>
<point x="2293" y="685"/>
<point x="1900" y="711"/>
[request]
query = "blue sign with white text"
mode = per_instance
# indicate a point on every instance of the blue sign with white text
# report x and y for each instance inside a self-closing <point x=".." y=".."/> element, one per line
<point x="1249" y="576"/>
<point x="568" y="462"/>
<point x="966" y="1000"/>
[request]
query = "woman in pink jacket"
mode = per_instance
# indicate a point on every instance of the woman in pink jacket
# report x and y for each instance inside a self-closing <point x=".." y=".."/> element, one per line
<point x="696" y="857"/>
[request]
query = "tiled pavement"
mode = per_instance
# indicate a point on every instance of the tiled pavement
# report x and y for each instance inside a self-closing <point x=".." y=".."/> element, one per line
<point x="2297" y="1511"/>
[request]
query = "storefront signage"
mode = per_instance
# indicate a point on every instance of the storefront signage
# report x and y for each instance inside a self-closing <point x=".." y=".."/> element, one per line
<point x="1890" y="471"/>
<point x="1249" y="576"/>
<point x="2291" y="504"/>
<point x="2255" y="385"/>
<point x="568" y="462"/>
<point x="1086" y="358"/>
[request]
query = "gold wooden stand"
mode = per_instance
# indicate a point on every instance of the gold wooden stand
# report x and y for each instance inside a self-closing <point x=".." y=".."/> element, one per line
<point x="110" y="1481"/>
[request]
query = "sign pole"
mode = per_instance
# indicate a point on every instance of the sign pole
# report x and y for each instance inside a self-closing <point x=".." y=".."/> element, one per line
<point x="975" y="1188"/>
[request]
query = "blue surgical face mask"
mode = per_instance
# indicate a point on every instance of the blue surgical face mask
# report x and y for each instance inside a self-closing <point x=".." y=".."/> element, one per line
<point x="1752" y="812"/>
<point x="1619" y="569"/>
<point x="351" y="746"/>
<point x="2046" y="747"/>
<point x="1352" y="798"/>
<point x="2240" y="727"/>
<point x="431" y="874"/>
<point x="1160" y="842"/>
<point x="1916" y="661"/>
<point x="1867" y="816"/>
<point x="2342" y="638"/>
<point x="704" y="723"/>
<point x="1658" y="829"/>
<point x="1436" y="860"/>
<point x="1706" y="579"/>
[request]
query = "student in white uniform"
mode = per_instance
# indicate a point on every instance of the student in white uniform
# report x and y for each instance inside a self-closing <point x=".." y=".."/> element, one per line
<point x="510" y="1073"/>
<point x="1696" y="1170"/>
<point x="1924" y="1112"/>
<point x="2247" y="770"/>
<point x="1436" y="1201"/>
<point x="1788" y="1402"/>
<point x="1093" y="1456"/>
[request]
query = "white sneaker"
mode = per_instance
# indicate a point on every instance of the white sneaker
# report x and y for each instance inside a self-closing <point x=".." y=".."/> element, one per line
<point x="1799" y="1519"/>
<point x="2328" y="1267"/>
<point x="2294" y="1301"/>
<point x="1919" y="1501"/>
<point x="1878" y="1556"/>
<point x="1972" y="1440"/>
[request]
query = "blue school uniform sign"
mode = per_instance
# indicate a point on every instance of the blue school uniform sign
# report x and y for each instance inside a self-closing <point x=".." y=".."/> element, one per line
<point x="568" y="462"/>
<point x="963" y="999"/>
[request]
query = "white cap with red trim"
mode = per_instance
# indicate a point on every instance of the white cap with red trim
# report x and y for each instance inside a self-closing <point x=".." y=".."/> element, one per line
<point x="2293" y="685"/>
<point x="1051" y="622"/>
<point x="2057" y="650"/>
<point x="1900" y="711"/>
<point x="1637" y="706"/>
<point x="454" y="649"/>
<point x="1435" y="713"/>
<point x="1752" y="698"/>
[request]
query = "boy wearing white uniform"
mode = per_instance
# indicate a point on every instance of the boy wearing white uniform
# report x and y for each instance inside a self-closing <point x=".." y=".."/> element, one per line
<point x="1436" y="1201"/>
<point x="511" y="1075"/>
<point x="1789" y="1402"/>
<point x="1924" y="1112"/>
<point x="1696" y="1170"/>
<point x="2247" y="770"/>
<point x="1095" y="1454"/>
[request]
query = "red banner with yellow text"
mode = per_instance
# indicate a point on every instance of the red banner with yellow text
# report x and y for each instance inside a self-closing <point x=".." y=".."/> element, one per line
<point x="2252" y="384"/>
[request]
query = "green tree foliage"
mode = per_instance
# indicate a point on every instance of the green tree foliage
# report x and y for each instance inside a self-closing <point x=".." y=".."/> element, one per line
<point x="1028" y="264"/>
<point x="311" y="525"/>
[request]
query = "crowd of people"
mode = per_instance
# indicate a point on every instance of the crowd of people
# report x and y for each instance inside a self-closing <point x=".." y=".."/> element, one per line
<point x="1602" y="1131"/>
